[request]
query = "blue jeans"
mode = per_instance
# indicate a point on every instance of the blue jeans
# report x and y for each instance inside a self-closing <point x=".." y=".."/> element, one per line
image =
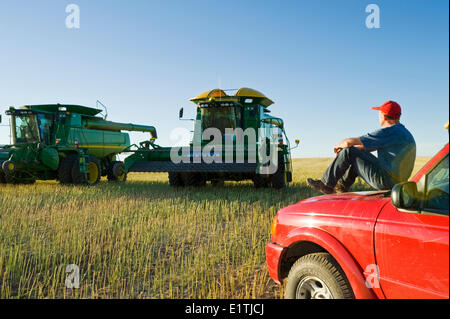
<point x="353" y="162"/>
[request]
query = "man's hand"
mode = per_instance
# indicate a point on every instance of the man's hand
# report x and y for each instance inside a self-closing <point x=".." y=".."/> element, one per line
<point x="348" y="142"/>
<point x="337" y="148"/>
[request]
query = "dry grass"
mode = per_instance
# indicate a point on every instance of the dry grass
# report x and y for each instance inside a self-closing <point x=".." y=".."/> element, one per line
<point x="143" y="239"/>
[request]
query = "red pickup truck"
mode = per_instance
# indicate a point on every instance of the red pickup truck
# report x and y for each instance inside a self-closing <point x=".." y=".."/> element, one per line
<point x="379" y="244"/>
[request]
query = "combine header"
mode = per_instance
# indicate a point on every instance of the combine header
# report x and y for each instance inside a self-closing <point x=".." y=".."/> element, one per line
<point x="69" y="143"/>
<point x="247" y="144"/>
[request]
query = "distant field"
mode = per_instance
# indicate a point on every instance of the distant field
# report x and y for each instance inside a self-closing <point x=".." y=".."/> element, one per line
<point x="143" y="239"/>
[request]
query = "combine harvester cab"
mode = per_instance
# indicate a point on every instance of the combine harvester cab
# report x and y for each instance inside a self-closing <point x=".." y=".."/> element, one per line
<point x="69" y="143"/>
<point x="234" y="139"/>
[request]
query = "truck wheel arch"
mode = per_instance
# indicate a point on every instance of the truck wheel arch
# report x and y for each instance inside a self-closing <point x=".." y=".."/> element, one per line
<point x="303" y="241"/>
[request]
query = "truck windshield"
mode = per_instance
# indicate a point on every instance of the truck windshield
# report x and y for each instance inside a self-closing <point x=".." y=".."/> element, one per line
<point x="26" y="129"/>
<point x="221" y="117"/>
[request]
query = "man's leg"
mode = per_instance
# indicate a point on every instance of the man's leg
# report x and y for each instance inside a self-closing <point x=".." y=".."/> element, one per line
<point x="342" y="168"/>
<point x="346" y="181"/>
<point x="353" y="162"/>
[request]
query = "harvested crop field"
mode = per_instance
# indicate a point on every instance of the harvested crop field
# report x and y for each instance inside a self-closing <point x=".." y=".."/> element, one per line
<point x="143" y="239"/>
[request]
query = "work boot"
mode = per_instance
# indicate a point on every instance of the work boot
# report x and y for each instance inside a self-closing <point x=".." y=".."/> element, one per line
<point x="320" y="186"/>
<point x="340" y="188"/>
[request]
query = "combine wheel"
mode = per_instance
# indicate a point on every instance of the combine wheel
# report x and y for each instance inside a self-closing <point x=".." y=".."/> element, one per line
<point x="65" y="168"/>
<point x="8" y="167"/>
<point x="2" y="178"/>
<point x="278" y="179"/>
<point x="176" y="179"/>
<point x="218" y="183"/>
<point x="195" y="180"/>
<point x="93" y="175"/>
<point x="260" y="181"/>
<point x="116" y="173"/>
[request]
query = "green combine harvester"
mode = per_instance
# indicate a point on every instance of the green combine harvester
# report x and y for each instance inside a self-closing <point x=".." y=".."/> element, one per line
<point x="68" y="143"/>
<point x="228" y="157"/>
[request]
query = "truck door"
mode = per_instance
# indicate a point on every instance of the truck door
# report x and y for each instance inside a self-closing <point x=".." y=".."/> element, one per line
<point x="412" y="247"/>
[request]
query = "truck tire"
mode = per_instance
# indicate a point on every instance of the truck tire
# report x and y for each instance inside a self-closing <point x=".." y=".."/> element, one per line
<point x="278" y="179"/>
<point x="116" y="173"/>
<point x="93" y="175"/>
<point x="175" y="179"/>
<point x="65" y="169"/>
<point x="317" y="276"/>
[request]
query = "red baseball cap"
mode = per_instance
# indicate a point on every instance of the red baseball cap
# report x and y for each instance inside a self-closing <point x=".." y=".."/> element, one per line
<point x="390" y="108"/>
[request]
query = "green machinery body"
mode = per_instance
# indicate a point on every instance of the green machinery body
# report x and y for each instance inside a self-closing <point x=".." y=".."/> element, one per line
<point x="58" y="141"/>
<point x="246" y="109"/>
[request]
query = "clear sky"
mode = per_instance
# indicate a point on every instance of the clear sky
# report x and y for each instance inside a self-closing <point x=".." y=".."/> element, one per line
<point x="316" y="59"/>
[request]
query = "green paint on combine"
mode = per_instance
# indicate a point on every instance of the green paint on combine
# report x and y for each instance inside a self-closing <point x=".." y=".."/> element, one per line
<point x="234" y="139"/>
<point x="230" y="157"/>
<point x="69" y="143"/>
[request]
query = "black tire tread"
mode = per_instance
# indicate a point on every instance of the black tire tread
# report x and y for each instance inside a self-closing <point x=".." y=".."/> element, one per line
<point x="322" y="262"/>
<point x="65" y="169"/>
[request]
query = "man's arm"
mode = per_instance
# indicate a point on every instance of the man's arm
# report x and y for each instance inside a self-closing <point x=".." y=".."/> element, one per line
<point x="348" y="142"/>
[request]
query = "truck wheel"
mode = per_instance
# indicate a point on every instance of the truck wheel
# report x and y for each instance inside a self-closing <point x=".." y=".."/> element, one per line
<point x="65" y="169"/>
<point x="175" y="179"/>
<point x="93" y="175"/>
<point x="278" y="180"/>
<point x="116" y="173"/>
<point x="317" y="276"/>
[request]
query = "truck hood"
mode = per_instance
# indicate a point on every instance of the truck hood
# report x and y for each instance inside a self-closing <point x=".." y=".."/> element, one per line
<point x="349" y="217"/>
<point x="365" y="205"/>
<point x="367" y="195"/>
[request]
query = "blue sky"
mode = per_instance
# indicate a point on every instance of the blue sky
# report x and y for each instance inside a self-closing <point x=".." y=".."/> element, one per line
<point x="316" y="59"/>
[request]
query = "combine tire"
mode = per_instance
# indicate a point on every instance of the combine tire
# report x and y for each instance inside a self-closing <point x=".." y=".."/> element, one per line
<point x="8" y="167"/>
<point x="195" y="180"/>
<point x="218" y="183"/>
<point x="2" y="178"/>
<point x="65" y="169"/>
<point x="116" y="173"/>
<point x="278" y="180"/>
<point x="176" y="179"/>
<point x="93" y="175"/>
<point x="259" y="181"/>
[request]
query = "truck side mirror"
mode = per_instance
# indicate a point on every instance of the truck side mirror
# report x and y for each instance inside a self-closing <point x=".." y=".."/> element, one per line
<point x="180" y="115"/>
<point x="0" y="119"/>
<point x="405" y="195"/>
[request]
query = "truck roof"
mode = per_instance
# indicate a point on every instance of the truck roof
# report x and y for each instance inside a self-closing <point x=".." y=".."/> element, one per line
<point x="241" y="93"/>
<point x="80" y="109"/>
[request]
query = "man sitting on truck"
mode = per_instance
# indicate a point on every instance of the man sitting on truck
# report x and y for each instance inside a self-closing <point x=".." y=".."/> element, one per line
<point x="396" y="150"/>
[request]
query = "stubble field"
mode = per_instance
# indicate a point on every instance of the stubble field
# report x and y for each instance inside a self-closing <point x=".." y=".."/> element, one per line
<point x="144" y="239"/>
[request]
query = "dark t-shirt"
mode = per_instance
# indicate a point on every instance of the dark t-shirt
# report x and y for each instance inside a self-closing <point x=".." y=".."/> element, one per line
<point x="396" y="149"/>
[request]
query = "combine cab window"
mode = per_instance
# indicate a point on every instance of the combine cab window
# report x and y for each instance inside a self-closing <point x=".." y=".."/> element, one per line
<point x="45" y="128"/>
<point x="26" y="129"/>
<point x="221" y="118"/>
